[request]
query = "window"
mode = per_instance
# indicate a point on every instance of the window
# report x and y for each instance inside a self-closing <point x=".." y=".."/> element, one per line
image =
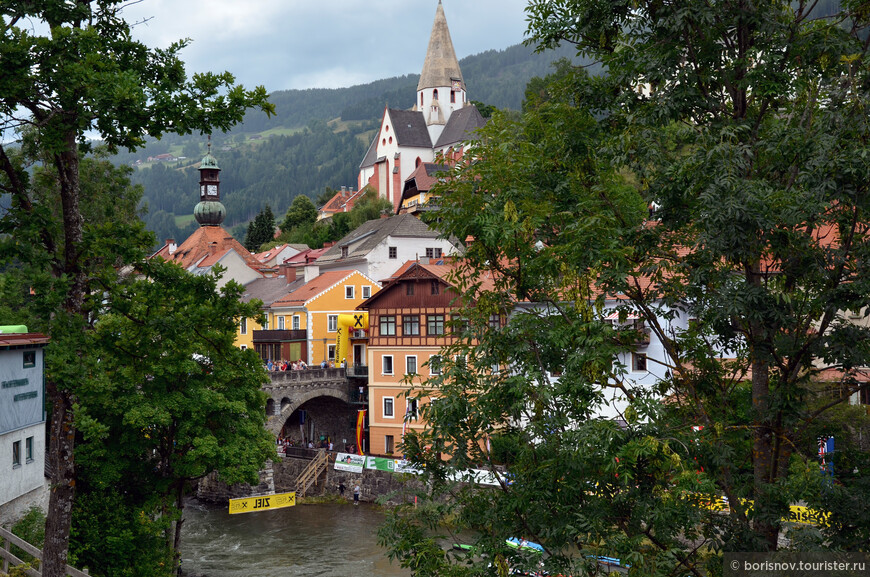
<point x="266" y="323"/>
<point x="243" y="347"/>
<point x="435" y="94"/>
<point x="243" y="327"/>
<point x="16" y="454"/>
<point x="295" y="322"/>
<point x="435" y="365"/>
<point x="411" y="365"/>
<point x="409" y="288"/>
<point x="411" y="413"/>
<point x="366" y="292"/>
<point x="332" y="323"/>
<point x="393" y="252"/>
<point x="344" y="248"/>
<point x="452" y="96"/>
<point x="435" y="287"/>
<point x="433" y="253"/>
<point x="28" y="449"/>
<point x="421" y="99"/>
<point x="330" y="352"/>
<point x="410" y="325"/>
<point x="389" y="444"/>
<point x="349" y="291"/>
<point x="638" y="362"/>
<point x="280" y="322"/>
<point x="29" y="359"/>
<point x="388" y="407"/>
<point x="494" y="321"/>
<point x="435" y="325"/>
<point x="388" y="325"/>
<point x="387" y="365"/>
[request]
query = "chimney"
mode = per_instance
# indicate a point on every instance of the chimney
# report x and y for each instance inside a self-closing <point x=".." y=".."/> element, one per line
<point x="312" y="271"/>
<point x="289" y="273"/>
<point x="171" y="246"/>
<point x="212" y="247"/>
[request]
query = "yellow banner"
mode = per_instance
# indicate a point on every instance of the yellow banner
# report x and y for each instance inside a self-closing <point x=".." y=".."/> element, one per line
<point x="796" y="513"/>
<point x="262" y="503"/>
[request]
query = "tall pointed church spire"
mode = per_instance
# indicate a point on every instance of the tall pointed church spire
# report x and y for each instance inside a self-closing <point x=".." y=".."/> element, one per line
<point x="441" y="66"/>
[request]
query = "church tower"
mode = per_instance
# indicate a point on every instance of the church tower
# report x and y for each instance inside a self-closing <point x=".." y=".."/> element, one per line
<point x="209" y="211"/>
<point x="441" y="89"/>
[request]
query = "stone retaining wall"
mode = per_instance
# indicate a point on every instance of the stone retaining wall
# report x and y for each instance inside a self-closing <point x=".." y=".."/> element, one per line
<point x="373" y="484"/>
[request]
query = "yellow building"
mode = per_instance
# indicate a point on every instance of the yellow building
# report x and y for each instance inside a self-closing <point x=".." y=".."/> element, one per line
<point x="303" y="323"/>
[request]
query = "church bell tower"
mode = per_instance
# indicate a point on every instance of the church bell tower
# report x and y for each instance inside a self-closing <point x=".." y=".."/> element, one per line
<point x="209" y="211"/>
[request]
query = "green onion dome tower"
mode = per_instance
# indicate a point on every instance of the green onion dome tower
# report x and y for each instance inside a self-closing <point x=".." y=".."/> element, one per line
<point x="209" y="211"/>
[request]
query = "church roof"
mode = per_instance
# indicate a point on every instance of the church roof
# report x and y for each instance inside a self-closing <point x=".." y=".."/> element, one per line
<point x="461" y="126"/>
<point x="441" y="65"/>
<point x="410" y="128"/>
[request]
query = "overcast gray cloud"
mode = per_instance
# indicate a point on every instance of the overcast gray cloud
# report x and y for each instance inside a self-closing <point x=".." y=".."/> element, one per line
<point x="285" y="44"/>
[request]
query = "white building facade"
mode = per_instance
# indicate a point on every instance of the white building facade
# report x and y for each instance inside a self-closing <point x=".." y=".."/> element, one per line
<point x="22" y="423"/>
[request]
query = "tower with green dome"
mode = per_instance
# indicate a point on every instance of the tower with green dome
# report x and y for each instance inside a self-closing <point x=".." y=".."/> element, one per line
<point x="209" y="211"/>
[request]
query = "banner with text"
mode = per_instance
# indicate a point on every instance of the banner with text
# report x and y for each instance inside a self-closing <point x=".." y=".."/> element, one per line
<point x="262" y="503"/>
<point x="349" y="462"/>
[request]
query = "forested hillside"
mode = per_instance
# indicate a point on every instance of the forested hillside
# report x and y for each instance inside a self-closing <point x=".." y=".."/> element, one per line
<point x="316" y="140"/>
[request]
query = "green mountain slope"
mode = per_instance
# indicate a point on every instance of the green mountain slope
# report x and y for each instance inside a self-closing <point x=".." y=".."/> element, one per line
<point x="316" y="140"/>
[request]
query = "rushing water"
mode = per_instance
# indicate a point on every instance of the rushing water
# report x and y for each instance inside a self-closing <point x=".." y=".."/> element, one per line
<point x="328" y="540"/>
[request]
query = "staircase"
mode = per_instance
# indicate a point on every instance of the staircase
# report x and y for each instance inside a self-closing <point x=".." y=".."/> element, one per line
<point x="311" y="473"/>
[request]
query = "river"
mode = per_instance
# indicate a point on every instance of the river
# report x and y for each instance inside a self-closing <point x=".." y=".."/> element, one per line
<point x="324" y="540"/>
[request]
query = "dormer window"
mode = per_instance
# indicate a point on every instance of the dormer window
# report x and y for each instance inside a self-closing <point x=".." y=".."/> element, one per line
<point x="344" y="252"/>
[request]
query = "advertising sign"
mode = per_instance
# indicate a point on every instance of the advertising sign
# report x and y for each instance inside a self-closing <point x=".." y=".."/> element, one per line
<point x="262" y="503"/>
<point x="348" y="462"/>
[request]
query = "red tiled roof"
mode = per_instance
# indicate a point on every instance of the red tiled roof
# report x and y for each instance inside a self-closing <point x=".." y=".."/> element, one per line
<point x="207" y="241"/>
<point x="306" y="256"/>
<point x="342" y="201"/>
<point x="313" y="288"/>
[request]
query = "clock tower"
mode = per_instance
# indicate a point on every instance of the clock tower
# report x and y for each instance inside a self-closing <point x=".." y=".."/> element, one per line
<point x="210" y="211"/>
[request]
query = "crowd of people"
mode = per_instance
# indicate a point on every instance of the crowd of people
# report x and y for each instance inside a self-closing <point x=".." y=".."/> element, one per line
<point x="299" y="365"/>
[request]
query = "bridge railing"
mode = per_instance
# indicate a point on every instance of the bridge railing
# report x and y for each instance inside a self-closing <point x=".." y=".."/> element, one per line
<point x="7" y="539"/>
<point x="306" y="376"/>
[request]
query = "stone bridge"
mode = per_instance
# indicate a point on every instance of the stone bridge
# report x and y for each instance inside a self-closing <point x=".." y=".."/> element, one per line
<point x="289" y="390"/>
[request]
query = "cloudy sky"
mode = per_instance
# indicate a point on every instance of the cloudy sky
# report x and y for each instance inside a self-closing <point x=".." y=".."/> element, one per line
<point x="284" y="44"/>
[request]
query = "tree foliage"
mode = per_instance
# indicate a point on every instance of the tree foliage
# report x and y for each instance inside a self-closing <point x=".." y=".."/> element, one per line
<point x="173" y="401"/>
<point x="715" y="175"/>
<point x="71" y="70"/>
<point x="301" y="213"/>
<point x="261" y="230"/>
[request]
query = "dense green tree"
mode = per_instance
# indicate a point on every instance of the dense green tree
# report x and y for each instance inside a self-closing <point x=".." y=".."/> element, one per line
<point x="715" y="172"/>
<point x="369" y="207"/>
<point x="71" y="69"/>
<point x="173" y="400"/>
<point x="261" y="230"/>
<point x="301" y="212"/>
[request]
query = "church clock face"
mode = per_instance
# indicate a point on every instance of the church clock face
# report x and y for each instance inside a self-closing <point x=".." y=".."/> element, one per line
<point x="212" y="189"/>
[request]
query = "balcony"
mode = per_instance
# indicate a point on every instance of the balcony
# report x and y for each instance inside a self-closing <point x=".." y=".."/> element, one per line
<point x="357" y="371"/>
<point x="279" y="336"/>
